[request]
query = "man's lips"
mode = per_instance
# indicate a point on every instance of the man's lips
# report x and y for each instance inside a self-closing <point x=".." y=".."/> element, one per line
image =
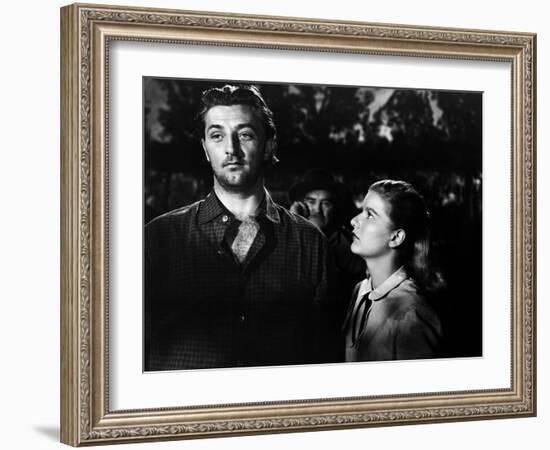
<point x="233" y="164"/>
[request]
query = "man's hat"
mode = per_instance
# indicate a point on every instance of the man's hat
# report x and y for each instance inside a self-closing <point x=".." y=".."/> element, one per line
<point x="314" y="179"/>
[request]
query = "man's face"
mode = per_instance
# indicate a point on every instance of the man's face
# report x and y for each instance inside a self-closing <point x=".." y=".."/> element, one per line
<point x="321" y="207"/>
<point x="235" y="145"/>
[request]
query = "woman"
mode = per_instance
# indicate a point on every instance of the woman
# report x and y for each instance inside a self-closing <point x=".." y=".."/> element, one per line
<point x="389" y="317"/>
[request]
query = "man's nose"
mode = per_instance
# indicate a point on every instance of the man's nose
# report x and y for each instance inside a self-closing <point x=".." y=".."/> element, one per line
<point x="314" y="206"/>
<point x="232" y="146"/>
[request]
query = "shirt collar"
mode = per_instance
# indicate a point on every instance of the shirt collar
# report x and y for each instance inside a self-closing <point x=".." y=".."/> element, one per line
<point x="394" y="280"/>
<point x="212" y="208"/>
<point x="270" y="209"/>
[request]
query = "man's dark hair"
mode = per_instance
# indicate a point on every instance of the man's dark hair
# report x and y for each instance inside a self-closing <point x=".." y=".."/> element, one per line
<point x="230" y="95"/>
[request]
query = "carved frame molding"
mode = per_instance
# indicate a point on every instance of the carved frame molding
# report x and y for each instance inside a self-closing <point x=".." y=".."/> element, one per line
<point x="86" y="31"/>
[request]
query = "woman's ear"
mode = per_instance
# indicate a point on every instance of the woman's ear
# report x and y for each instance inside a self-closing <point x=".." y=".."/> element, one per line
<point x="397" y="238"/>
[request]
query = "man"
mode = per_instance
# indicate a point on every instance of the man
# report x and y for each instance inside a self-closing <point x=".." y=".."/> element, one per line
<point x="234" y="279"/>
<point x="327" y="204"/>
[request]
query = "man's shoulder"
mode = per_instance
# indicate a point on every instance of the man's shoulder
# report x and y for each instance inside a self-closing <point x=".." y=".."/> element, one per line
<point x="300" y="223"/>
<point x="175" y="216"/>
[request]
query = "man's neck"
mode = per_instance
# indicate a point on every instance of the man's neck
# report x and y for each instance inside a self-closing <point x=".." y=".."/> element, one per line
<point x="241" y="204"/>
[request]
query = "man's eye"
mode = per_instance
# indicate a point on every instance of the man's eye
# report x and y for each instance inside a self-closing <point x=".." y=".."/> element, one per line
<point x="246" y="136"/>
<point x="216" y="136"/>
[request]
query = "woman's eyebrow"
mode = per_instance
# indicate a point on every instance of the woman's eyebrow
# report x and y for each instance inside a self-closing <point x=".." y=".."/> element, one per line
<point x="369" y="209"/>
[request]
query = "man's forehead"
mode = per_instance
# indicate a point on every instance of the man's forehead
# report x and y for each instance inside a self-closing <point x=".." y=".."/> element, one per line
<point x="232" y="113"/>
<point x="319" y="194"/>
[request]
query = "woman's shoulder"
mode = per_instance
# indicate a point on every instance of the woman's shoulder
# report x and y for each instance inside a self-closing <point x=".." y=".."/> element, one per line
<point x="407" y="297"/>
<point x="408" y="288"/>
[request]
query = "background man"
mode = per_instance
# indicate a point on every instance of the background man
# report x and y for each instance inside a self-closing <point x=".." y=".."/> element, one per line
<point x="234" y="279"/>
<point x="327" y="203"/>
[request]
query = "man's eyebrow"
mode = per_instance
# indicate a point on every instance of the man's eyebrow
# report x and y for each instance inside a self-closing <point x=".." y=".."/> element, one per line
<point x="214" y="126"/>
<point x="321" y="199"/>
<point x="246" y="125"/>
<point x="239" y="126"/>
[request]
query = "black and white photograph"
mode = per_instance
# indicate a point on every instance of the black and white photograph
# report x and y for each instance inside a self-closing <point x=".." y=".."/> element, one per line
<point x="292" y="224"/>
<point x="274" y="222"/>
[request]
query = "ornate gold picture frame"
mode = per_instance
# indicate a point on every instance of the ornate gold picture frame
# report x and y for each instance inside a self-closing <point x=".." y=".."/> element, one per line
<point x="87" y="413"/>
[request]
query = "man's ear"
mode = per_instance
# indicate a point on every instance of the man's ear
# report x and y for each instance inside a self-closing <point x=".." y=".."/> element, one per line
<point x="269" y="149"/>
<point x="204" y="149"/>
<point x="397" y="238"/>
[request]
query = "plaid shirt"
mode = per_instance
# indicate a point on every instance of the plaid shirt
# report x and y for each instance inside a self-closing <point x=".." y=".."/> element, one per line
<point x="205" y="310"/>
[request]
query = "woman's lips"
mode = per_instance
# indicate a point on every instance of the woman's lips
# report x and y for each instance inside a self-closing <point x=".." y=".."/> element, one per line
<point x="349" y="234"/>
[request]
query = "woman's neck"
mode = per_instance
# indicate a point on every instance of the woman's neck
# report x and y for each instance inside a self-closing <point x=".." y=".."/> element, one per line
<point x="381" y="268"/>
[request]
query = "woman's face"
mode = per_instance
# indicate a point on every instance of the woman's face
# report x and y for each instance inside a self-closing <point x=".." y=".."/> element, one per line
<point x="372" y="227"/>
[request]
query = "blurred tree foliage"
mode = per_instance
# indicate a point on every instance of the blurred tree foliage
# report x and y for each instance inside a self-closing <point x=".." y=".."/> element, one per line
<point x="344" y="128"/>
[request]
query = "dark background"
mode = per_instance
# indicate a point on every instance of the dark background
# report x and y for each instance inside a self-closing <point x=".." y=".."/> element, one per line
<point x="430" y="138"/>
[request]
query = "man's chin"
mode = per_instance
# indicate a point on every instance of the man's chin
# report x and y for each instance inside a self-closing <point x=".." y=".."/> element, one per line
<point x="238" y="179"/>
<point x="236" y="183"/>
<point x="318" y="223"/>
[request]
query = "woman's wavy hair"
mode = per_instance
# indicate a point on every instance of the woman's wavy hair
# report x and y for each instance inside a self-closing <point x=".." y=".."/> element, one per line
<point x="407" y="210"/>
